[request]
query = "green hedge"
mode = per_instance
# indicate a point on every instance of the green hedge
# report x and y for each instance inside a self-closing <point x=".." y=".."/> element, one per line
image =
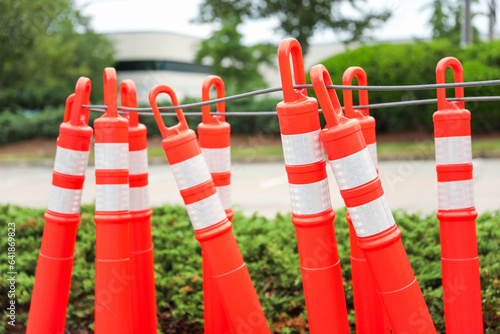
<point x="385" y="64"/>
<point x="415" y="63"/>
<point x="25" y="125"/>
<point x="270" y="251"/>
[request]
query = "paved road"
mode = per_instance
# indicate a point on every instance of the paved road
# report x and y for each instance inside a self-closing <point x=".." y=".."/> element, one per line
<point x="262" y="187"/>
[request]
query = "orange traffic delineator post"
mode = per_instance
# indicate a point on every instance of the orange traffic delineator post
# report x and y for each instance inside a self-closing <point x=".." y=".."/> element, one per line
<point x="212" y="227"/>
<point x="378" y="235"/>
<point x="456" y="214"/>
<point x="214" y="135"/>
<point x="112" y="264"/>
<point x="50" y="295"/>
<point x="312" y="213"/>
<point x="368" y="309"/>
<point x="143" y="289"/>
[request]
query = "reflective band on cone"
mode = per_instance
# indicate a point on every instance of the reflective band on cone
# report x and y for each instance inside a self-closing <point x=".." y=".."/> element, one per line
<point x="212" y="228"/>
<point x="218" y="159"/>
<point x="304" y="197"/>
<point x="456" y="214"/>
<point x="302" y="148"/>
<point x="312" y="214"/>
<point x="143" y="288"/>
<point x="190" y="172"/>
<point x="372" y="220"/>
<point x="112" y="304"/>
<point x="50" y="295"/>
<point x="65" y="201"/>
<point x="71" y="162"/>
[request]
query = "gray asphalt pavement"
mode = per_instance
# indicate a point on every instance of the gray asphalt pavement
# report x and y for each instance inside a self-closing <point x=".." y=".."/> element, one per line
<point x="262" y="187"/>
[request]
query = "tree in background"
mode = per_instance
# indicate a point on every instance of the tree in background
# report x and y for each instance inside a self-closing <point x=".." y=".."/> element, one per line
<point x="447" y="20"/>
<point x="299" y="19"/>
<point x="46" y="45"/>
<point x="239" y="64"/>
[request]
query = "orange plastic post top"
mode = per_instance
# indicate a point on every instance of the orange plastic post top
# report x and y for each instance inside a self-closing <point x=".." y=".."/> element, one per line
<point x="291" y="47"/>
<point x="181" y="126"/>
<point x="349" y="75"/>
<point x="207" y="118"/>
<point x="128" y="97"/>
<point x="332" y="110"/>
<point x="456" y="66"/>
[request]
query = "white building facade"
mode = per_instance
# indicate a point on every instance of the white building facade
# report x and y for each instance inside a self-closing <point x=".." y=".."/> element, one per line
<point x="152" y="58"/>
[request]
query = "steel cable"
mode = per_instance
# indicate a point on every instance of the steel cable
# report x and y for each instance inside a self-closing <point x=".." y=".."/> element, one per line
<point x="148" y="111"/>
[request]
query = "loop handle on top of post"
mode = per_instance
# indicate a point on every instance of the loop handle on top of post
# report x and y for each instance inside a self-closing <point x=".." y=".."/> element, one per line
<point x="68" y="106"/>
<point x="327" y="98"/>
<point x="110" y="92"/>
<point x="349" y="74"/>
<point x="173" y="130"/>
<point x="74" y="112"/>
<point x="287" y="47"/>
<point x="456" y="66"/>
<point x="128" y="97"/>
<point x="206" y="118"/>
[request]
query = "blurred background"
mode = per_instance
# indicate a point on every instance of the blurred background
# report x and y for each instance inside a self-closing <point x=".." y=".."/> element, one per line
<point x="47" y="45"/>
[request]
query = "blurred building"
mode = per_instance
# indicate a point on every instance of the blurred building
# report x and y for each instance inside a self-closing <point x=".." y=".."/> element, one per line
<point x="151" y="58"/>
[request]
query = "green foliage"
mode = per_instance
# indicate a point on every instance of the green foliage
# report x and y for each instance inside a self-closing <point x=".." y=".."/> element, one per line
<point x="46" y="46"/>
<point x="239" y="64"/>
<point x="447" y="20"/>
<point x="298" y="19"/>
<point x="270" y="251"/>
<point x="407" y="64"/>
<point x="19" y="125"/>
<point x="236" y="63"/>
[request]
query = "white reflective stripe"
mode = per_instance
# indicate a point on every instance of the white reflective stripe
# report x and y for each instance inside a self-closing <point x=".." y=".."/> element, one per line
<point x="455" y="195"/>
<point x="138" y="162"/>
<point x="311" y="198"/>
<point x="206" y="212"/>
<point x="225" y="196"/>
<point x="354" y="170"/>
<point x="111" y="156"/>
<point x="302" y="149"/>
<point x="453" y="150"/>
<point x="191" y="172"/>
<point x="218" y="159"/>
<point x="111" y="197"/>
<point x="71" y="162"/>
<point x="371" y="218"/>
<point x="64" y="200"/>
<point x="139" y="198"/>
<point x="372" y="148"/>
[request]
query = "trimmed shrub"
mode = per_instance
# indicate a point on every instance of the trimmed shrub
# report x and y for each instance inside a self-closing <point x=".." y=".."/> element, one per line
<point x="270" y="250"/>
<point x="415" y="63"/>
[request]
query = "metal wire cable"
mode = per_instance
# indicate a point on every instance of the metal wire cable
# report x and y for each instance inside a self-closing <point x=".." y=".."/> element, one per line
<point x="101" y="109"/>
<point x="148" y="111"/>
<point x="309" y="86"/>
